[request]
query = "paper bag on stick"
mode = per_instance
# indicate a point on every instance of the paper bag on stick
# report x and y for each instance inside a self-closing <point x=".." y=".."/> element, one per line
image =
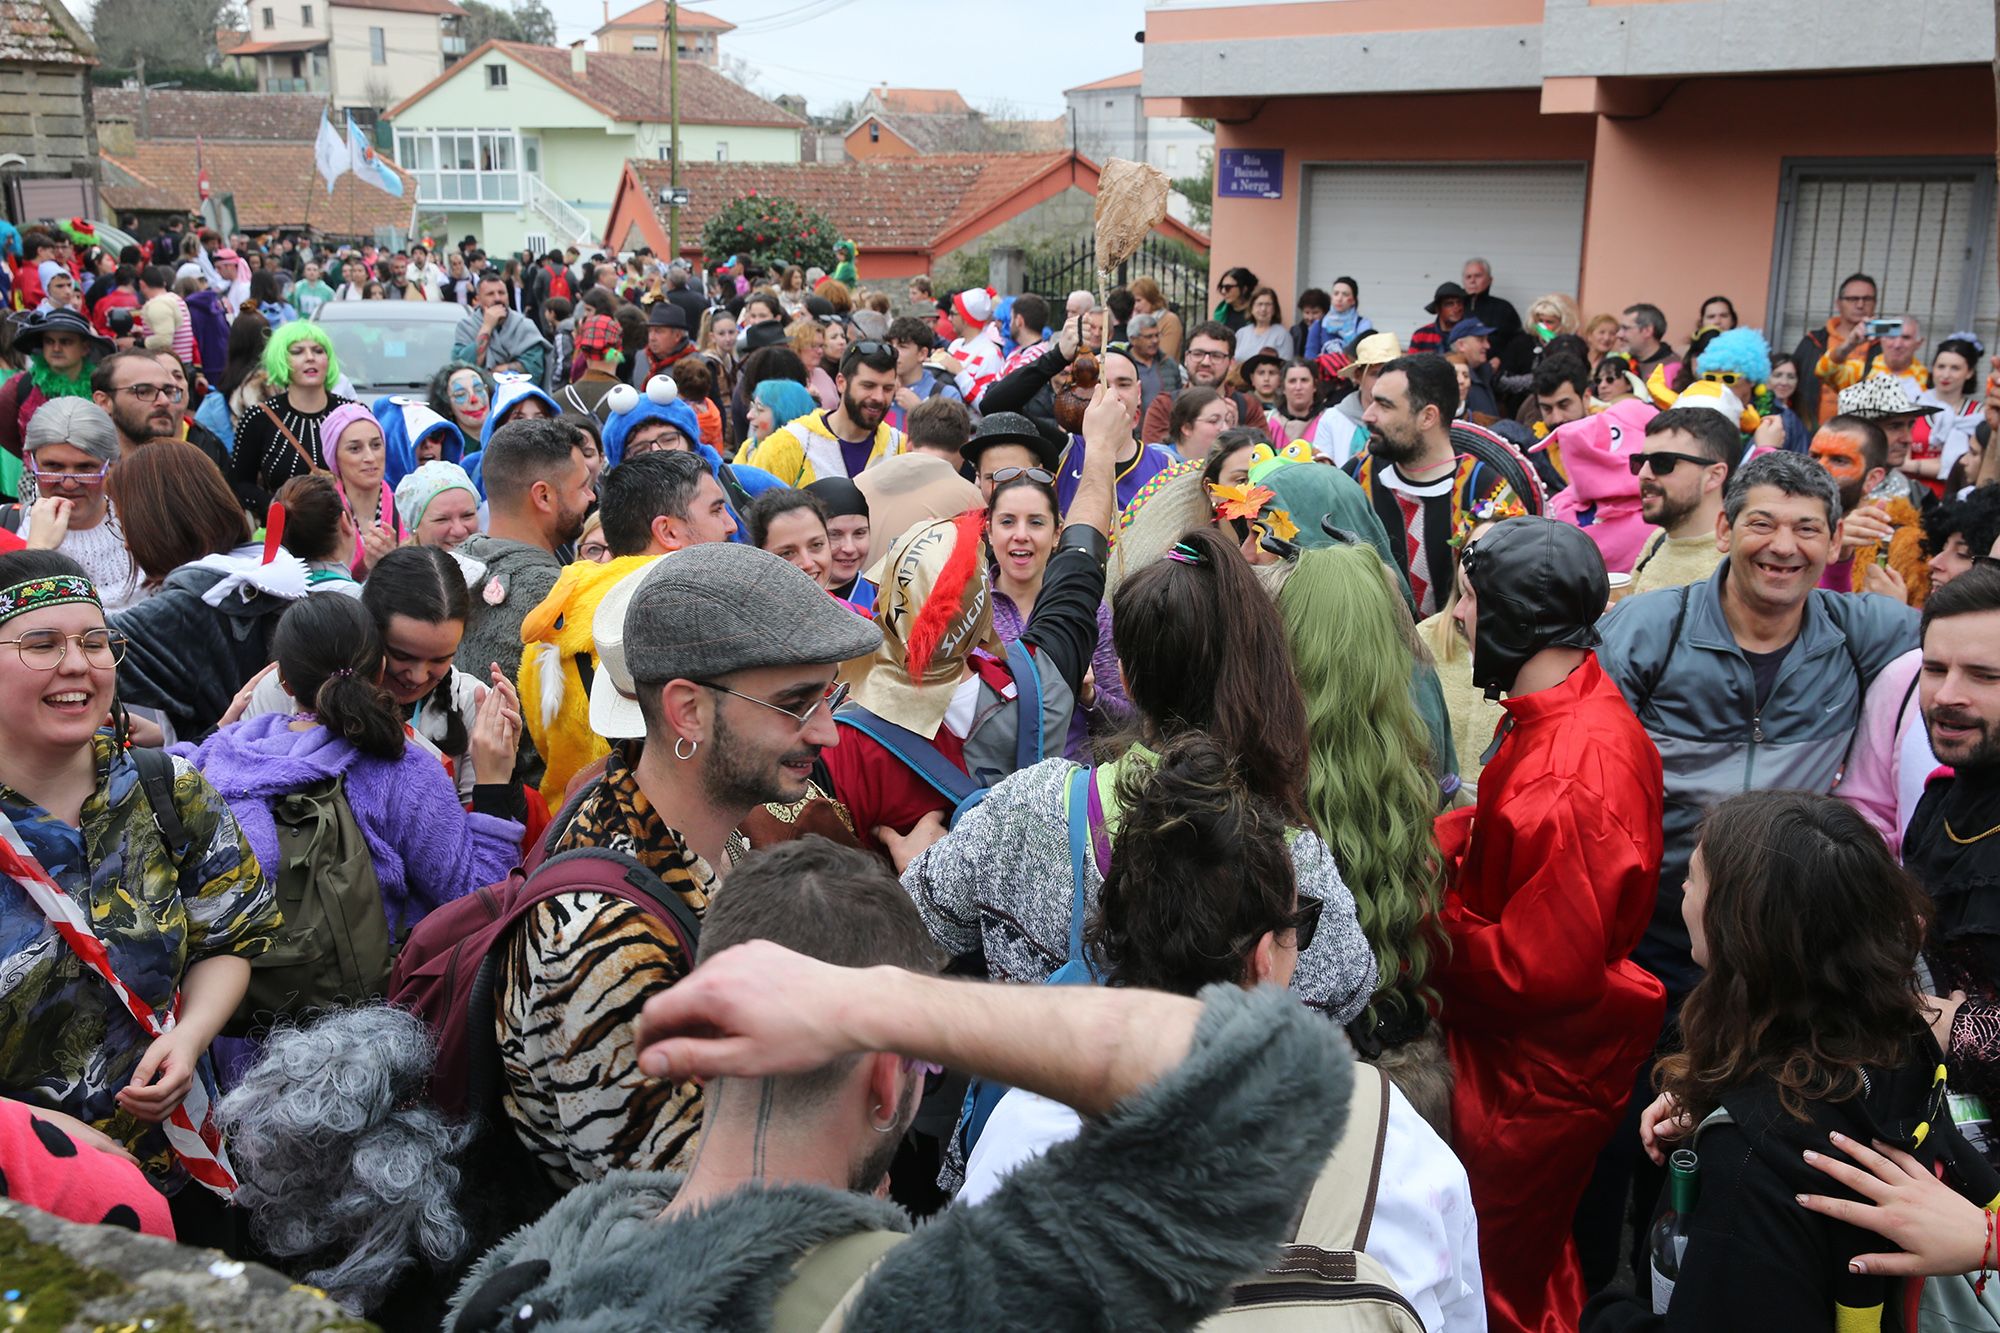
<point x="1131" y="201"/>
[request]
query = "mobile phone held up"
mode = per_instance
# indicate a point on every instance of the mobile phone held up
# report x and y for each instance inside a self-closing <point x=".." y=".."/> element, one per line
<point x="1885" y="328"/>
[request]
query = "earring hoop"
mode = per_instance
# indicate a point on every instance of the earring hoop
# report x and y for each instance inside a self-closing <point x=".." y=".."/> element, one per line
<point x="881" y="1129"/>
<point x="692" y="746"/>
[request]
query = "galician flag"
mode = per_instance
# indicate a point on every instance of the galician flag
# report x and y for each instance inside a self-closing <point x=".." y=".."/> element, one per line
<point x="367" y="165"/>
<point x="330" y="153"/>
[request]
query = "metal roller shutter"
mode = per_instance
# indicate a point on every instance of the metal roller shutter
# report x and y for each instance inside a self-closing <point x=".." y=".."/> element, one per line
<point x="1401" y="230"/>
<point x="1917" y="227"/>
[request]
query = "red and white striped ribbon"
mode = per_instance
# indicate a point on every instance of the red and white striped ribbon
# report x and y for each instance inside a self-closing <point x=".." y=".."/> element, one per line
<point x="190" y="1129"/>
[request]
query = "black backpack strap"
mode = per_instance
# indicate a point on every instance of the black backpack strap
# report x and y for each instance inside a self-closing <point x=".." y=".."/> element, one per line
<point x="1658" y="673"/>
<point x="156" y="780"/>
<point x="739" y="499"/>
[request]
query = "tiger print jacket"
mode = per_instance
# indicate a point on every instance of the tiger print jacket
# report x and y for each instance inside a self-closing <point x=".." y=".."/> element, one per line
<point x="572" y="981"/>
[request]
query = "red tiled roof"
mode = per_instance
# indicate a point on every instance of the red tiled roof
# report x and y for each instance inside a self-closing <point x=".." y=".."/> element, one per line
<point x="402" y="6"/>
<point x="1115" y="81"/>
<point x="173" y="113"/>
<point x="291" y="46"/>
<point x="653" y="14"/>
<point x="901" y="203"/>
<point x="228" y="39"/>
<point x="35" y="33"/>
<point x="921" y="101"/>
<point x="629" y="87"/>
<point x="275" y="184"/>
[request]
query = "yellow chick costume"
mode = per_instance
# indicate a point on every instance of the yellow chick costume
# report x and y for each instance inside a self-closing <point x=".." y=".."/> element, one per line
<point x="555" y="699"/>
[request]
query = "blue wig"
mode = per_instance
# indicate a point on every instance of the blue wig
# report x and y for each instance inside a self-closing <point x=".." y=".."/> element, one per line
<point x="788" y="400"/>
<point x="1742" y="350"/>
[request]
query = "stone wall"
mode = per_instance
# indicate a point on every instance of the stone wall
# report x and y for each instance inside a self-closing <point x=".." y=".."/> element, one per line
<point x="45" y="118"/>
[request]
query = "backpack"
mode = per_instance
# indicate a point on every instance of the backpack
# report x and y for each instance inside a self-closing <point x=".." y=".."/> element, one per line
<point x="448" y="969"/>
<point x="1323" y="1279"/>
<point x="922" y="757"/>
<point x="335" y="947"/>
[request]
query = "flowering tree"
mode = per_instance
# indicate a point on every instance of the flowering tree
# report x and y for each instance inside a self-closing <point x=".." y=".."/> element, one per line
<point x="770" y="231"/>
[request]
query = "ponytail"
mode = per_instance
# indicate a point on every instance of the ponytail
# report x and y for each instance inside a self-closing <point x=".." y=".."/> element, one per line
<point x="1199" y="873"/>
<point x="330" y="654"/>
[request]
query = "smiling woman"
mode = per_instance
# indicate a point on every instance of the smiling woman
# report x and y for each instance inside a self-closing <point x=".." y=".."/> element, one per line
<point x="67" y="784"/>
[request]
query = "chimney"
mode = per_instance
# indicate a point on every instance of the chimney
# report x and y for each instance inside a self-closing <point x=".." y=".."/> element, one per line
<point x="576" y="58"/>
<point x="607" y="13"/>
<point x="116" y="137"/>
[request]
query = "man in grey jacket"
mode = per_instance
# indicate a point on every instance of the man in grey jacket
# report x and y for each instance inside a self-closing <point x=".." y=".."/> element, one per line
<point x="538" y="492"/>
<point x="1752" y="680"/>
<point x="1207" y="1122"/>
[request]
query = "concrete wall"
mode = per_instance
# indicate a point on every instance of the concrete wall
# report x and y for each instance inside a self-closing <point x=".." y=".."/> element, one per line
<point x="1456" y="127"/>
<point x="1678" y="207"/>
<point x="413" y="56"/>
<point x="1112" y="122"/>
<point x="45" y="118"/>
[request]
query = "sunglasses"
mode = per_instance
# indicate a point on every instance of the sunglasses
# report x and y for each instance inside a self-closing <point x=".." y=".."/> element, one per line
<point x="1031" y="473"/>
<point x="1664" y="462"/>
<point x="1723" y="376"/>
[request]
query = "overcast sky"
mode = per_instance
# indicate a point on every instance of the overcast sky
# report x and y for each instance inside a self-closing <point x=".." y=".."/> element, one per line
<point x="1024" y="52"/>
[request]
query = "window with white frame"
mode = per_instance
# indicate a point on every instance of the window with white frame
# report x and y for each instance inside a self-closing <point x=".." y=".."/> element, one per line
<point x="378" y="47"/>
<point x="306" y="15"/>
<point x="496" y="76"/>
<point x="722" y="150"/>
<point x="462" y="166"/>
<point x="646" y="41"/>
<point x="270" y="17"/>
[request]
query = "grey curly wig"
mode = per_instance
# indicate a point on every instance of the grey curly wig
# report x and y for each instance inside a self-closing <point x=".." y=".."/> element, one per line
<point x="341" y="1164"/>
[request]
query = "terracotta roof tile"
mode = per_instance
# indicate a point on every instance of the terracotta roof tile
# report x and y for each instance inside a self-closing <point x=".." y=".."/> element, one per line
<point x="32" y="33"/>
<point x="654" y="15"/>
<point x="272" y="183"/>
<point x="217" y="117"/>
<point x="885" y="203"/>
<point x="631" y="87"/>
<point x="921" y="101"/>
<point x="1115" y="81"/>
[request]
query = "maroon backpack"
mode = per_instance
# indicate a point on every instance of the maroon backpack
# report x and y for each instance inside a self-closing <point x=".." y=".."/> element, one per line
<point x="448" y="968"/>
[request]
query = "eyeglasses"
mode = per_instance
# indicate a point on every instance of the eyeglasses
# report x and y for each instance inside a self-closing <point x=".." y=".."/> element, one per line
<point x="1863" y="298"/>
<point x="62" y="479"/>
<point x="1197" y="354"/>
<point x="1665" y="461"/>
<point x="871" y="347"/>
<point x="593" y="551"/>
<point x="44" y="649"/>
<point x="1031" y="473"/>
<point x="1225" y="286"/>
<point x="1723" y="376"/>
<point x="835" y="696"/>
<point x="152" y="393"/>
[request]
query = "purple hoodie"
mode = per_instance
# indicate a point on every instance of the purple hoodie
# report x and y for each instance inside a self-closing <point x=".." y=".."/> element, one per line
<point x="427" y="848"/>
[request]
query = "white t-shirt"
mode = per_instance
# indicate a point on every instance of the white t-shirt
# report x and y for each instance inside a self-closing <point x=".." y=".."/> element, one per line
<point x="1424" y="1230"/>
<point x="101" y="552"/>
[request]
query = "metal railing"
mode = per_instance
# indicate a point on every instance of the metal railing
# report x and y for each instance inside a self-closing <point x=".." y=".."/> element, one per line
<point x="561" y="216"/>
<point x="1182" y="274"/>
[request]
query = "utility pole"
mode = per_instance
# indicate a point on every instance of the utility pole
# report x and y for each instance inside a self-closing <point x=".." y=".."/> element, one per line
<point x="674" y="119"/>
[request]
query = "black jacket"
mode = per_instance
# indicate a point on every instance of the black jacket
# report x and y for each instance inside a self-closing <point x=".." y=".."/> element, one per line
<point x="1758" y="1262"/>
<point x="187" y="658"/>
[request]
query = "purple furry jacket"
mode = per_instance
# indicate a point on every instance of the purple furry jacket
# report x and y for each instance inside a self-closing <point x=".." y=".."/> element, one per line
<point x="428" y="849"/>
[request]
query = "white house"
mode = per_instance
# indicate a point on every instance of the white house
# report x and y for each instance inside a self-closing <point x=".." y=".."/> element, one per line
<point x="361" y="53"/>
<point x="1109" y="120"/>
<point x="525" y="146"/>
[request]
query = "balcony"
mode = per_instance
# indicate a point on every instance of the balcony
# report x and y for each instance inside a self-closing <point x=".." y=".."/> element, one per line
<point x="290" y="85"/>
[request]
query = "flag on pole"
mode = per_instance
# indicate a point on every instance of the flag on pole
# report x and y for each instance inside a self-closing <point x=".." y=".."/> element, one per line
<point x="367" y="165"/>
<point x="200" y="172"/>
<point x="330" y="153"/>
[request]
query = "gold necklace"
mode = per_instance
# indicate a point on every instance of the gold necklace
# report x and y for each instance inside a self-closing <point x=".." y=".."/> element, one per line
<point x="1967" y="842"/>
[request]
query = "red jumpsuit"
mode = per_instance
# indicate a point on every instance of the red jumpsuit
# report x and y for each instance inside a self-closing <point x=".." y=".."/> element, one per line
<point x="1550" y="882"/>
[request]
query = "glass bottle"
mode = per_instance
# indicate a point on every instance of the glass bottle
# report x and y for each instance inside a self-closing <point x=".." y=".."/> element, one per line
<point x="1666" y="1244"/>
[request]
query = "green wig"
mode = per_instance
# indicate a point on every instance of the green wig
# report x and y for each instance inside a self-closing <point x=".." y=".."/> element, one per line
<point x="1369" y="788"/>
<point x="278" y="352"/>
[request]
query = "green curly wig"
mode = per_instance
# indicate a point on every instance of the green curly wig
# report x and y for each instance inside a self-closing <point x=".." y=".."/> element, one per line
<point x="278" y="353"/>
<point x="1369" y="788"/>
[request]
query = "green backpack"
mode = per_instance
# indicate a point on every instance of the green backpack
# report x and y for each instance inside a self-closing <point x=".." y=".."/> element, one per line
<point x="334" y="948"/>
